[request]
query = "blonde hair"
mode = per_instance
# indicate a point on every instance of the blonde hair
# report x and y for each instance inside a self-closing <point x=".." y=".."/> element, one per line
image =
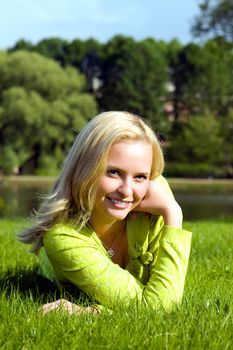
<point x="73" y="194"/>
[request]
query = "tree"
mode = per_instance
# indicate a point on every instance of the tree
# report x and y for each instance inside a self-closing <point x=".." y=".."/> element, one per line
<point x="227" y="134"/>
<point x="215" y="19"/>
<point x="21" y="116"/>
<point x="134" y="77"/>
<point x="22" y="45"/>
<point x="55" y="48"/>
<point x="39" y="100"/>
<point x="84" y="55"/>
<point x="198" y="148"/>
<point x="35" y="72"/>
<point x="202" y="79"/>
<point x="87" y="57"/>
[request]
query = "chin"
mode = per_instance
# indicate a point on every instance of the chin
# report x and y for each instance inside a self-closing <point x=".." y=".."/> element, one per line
<point x="119" y="216"/>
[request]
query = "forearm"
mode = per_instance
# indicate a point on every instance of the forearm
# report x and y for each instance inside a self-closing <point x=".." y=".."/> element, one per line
<point x="173" y="216"/>
<point x="160" y="201"/>
<point x="168" y="270"/>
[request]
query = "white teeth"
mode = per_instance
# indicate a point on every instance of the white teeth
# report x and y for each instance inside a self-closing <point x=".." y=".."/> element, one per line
<point x="123" y="204"/>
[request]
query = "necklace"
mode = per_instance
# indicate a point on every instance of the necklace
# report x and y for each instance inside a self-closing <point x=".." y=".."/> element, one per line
<point x="110" y="250"/>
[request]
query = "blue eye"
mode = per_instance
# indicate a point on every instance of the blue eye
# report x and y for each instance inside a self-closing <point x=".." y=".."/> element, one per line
<point x="113" y="172"/>
<point x="141" y="177"/>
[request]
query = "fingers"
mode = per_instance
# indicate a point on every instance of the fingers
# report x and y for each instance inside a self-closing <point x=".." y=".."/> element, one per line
<point x="61" y="304"/>
<point x="50" y="307"/>
<point x="71" y="308"/>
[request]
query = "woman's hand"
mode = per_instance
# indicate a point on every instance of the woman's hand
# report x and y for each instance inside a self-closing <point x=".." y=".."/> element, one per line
<point x="158" y="201"/>
<point x="71" y="308"/>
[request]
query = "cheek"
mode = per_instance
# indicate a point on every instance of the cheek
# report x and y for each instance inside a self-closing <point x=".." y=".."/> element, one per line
<point x="141" y="191"/>
<point x="106" y="185"/>
<point x="100" y="189"/>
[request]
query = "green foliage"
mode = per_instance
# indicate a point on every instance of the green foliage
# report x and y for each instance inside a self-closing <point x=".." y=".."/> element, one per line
<point x="48" y="165"/>
<point x="198" y="144"/>
<point x="169" y="84"/>
<point x="202" y="139"/>
<point x="53" y="48"/>
<point x="134" y="76"/>
<point x="22" y="45"/>
<point x="206" y="311"/>
<point x="8" y="160"/>
<point x="202" y="78"/>
<point x="85" y="55"/>
<point x="190" y="170"/>
<point x="38" y="100"/>
<point x="214" y="19"/>
<point x="34" y="72"/>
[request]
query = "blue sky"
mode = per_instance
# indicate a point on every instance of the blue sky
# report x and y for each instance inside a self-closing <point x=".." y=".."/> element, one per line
<point x="34" y="20"/>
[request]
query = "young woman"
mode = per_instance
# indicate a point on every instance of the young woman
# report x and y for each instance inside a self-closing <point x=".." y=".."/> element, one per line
<point x="111" y="226"/>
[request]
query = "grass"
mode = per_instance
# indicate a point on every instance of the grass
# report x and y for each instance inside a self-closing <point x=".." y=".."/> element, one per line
<point x="204" y="320"/>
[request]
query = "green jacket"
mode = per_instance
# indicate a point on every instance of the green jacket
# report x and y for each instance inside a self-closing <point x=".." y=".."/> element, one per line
<point x="154" y="276"/>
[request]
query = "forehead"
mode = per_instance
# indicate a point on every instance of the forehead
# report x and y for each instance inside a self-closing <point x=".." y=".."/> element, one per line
<point x="131" y="154"/>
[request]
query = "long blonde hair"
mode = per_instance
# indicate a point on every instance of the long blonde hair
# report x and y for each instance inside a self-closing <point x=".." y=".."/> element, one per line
<point x="73" y="195"/>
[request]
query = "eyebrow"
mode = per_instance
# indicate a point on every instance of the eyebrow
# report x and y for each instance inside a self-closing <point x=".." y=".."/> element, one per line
<point x="122" y="170"/>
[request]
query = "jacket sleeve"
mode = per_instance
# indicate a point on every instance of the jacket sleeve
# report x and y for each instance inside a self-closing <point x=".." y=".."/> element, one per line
<point x="79" y="260"/>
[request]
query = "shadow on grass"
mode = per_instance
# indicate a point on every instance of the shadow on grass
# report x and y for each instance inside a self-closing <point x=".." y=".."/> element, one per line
<point x="29" y="283"/>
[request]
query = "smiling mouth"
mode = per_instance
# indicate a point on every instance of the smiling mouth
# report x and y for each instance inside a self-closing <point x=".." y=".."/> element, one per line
<point x="118" y="203"/>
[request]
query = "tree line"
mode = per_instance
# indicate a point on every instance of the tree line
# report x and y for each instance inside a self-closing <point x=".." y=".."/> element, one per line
<point x="50" y="89"/>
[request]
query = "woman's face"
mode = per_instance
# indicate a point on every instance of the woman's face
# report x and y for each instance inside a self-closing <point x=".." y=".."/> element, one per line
<point x="124" y="183"/>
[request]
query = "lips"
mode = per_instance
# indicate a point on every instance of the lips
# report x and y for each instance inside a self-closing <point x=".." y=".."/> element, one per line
<point x="118" y="203"/>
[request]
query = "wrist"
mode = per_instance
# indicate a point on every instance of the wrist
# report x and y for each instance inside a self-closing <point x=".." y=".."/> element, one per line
<point x="173" y="216"/>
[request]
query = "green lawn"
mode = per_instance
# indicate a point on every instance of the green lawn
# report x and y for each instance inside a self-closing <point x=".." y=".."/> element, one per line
<point x="204" y="320"/>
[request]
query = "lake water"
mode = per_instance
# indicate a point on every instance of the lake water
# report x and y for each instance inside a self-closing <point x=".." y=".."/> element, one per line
<point x="198" y="200"/>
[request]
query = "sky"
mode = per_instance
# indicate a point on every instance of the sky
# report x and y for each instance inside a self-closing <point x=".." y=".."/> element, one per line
<point x="34" y="20"/>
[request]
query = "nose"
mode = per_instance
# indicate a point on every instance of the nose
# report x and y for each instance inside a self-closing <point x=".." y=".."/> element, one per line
<point x="125" y="188"/>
